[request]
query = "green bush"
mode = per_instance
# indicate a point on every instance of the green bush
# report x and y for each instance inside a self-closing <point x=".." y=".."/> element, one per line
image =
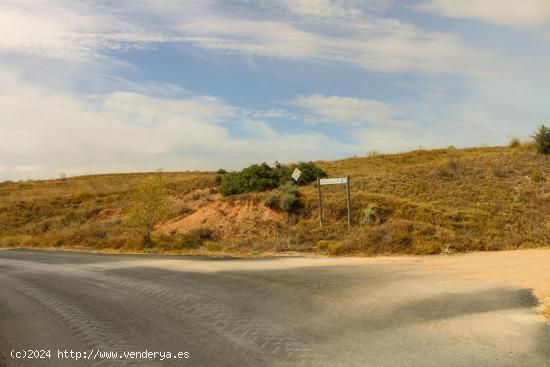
<point x="289" y="202"/>
<point x="257" y="177"/>
<point x="310" y="172"/>
<point x="542" y="139"/>
<point x="260" y="177"/>
<point x="271" y="200"/>
<point x="290" y="188"/>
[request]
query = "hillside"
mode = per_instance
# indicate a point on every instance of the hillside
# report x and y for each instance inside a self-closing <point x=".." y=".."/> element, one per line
<point x="448" y="200"/>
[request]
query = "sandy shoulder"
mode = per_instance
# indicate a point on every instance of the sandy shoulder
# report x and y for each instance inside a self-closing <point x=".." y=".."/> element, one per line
<point x="524" y="268"/>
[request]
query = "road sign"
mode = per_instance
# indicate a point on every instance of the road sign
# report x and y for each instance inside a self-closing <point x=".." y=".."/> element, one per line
<point x="333" y="181"/>
<point x="296" y="174"/>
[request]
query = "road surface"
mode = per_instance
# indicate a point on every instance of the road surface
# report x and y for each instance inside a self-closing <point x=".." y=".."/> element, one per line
<point x="289" y="311"/>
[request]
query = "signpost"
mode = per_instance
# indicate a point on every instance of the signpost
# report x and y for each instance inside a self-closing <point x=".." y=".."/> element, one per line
<point x="334" y="181"/>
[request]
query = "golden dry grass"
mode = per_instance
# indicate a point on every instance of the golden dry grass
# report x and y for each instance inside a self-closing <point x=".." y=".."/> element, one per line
<point x="450" y="200"/>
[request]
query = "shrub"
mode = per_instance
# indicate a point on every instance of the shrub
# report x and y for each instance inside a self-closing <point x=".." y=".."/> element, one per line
<point x="447" y="249"/>
<point x="443" y="172"/>
<point x="499" y="172"/>
<point x="290" y="199"/>
<point x="542" y="139"/>
<point x="332" y="248"/>
<point x="536" y="175"/>
<point x="310" y="172"/>
<point x="213" y="246"/>
<point x="271" y="200"/>
<point x="336" y="248"/>
<point x="257" y="177"/>
<point x="453" y="164"/>
<point x="546" y="311"/>
<point x="263" y="177"/>
<point x="322" y="245"/>
<point x="374" y="214"/>
<point x="514" y="143"/>
<point x="195" y="238"/>
<point x="289" y="202"/>
<point x="290" y="188"/>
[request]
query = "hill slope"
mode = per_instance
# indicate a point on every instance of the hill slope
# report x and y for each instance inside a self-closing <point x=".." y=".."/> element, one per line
<point x="416" y="202"/>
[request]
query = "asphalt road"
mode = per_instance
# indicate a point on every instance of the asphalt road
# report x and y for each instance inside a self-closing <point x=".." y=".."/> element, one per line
<point x="268" y="312"/>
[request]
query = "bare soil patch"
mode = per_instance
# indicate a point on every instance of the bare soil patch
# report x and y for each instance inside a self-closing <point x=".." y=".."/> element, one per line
<point x="226" y="218"/>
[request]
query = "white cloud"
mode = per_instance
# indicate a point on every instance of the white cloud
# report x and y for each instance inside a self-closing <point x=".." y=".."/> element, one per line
<point x="322" y="8"/>
<point x="351" y="9"/>
<point x="503" y="12"/>
<point x="340" y="32"/>
<point x="349" y="111"/>
<point x="124" y="131"/>
<point x="266" y="38"/>
<point x="374" y="44"/>
<point x="70" y="29"/>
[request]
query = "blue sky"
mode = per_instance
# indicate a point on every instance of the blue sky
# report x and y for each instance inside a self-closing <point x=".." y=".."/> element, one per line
<point x="119" y="86"/>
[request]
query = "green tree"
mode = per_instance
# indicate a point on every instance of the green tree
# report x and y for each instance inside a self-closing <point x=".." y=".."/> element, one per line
<point x="542" y="139"/>
<point x="150" y="205"/>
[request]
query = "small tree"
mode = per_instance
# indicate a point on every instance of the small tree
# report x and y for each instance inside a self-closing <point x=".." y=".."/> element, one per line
<point x="149" y="205"/>
<point x="542" y="139"/>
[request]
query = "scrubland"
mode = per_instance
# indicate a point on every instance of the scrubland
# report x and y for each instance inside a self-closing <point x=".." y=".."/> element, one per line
<point x="420" y="202"/>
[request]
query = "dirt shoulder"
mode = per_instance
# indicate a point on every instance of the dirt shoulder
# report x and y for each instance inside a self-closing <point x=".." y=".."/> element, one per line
<point x="524" y="268"/>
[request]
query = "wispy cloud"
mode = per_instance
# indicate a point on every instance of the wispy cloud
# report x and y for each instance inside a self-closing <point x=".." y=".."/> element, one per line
<point x="71" y="29"/>
<point x="378" y="44"/>
<point x="84" y="29"/>
<point x="503" y="12"/>
<point x="349" y="111"/>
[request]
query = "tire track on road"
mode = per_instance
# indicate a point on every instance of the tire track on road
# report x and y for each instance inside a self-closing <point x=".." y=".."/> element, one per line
<point x="93" y="333"/>
<point x="264" y="342"/>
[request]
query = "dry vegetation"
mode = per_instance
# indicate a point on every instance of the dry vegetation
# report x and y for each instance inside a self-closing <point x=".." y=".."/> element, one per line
<point x="421" y="202"/>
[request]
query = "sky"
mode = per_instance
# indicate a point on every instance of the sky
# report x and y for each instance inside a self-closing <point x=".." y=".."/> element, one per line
<point x="96" y="86"/>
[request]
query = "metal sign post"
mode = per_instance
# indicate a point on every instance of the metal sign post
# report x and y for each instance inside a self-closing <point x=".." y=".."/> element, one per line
<point x="348" y="201"/>
<point x="319" y="199"/>
<point x="334" y="181"/>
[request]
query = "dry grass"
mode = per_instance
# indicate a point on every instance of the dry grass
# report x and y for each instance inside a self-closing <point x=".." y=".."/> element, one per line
<point x="546" y="312"/>
<point x="447" y="200"/>
<point x="86" y="212"/>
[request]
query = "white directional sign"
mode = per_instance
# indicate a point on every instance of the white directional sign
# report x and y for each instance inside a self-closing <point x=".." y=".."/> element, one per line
<point x="333" y="181"/>
<point x="296" y="174"/>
